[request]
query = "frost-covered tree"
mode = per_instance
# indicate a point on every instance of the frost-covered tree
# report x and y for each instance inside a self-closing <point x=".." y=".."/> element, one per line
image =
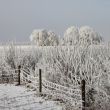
<point x="71" y="36"/>
<point x="84" y="36"/>
<point x="88" y="36"/>
<point x="53" y="39"/>
<point x="44" y="38"/>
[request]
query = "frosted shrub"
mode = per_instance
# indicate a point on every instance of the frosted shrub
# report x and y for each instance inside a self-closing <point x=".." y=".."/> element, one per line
<point x="32" y="59"/>
<point x="69" y="65"/>
<point x="10" y="56"/>
<point x="63" y="64"/>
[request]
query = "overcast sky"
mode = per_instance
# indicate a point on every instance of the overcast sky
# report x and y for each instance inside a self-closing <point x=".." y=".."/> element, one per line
<point x="18" y="18"/>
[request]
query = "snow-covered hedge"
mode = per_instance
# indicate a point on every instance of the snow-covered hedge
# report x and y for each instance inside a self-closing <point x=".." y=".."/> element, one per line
<point x="68" y="65"/>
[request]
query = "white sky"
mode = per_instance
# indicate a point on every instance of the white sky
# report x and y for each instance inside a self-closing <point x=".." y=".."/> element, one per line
<point x="18" y="18"/>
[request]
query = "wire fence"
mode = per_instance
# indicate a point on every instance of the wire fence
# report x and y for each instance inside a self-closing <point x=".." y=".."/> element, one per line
<point x="71" y="95"/>
<point x="67" y="94"/>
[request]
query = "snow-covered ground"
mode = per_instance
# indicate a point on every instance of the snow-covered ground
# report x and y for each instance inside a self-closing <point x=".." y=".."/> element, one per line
<point x="20" y="98"/>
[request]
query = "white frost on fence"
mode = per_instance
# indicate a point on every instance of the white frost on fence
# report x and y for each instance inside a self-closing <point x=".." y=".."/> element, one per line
<point x="56" y="90"/>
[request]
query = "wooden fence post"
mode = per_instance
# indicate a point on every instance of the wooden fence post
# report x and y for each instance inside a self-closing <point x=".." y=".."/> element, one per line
<point x="83" y="94"/>
<point x="40" y="81"/>
<point x="19" y="71"/>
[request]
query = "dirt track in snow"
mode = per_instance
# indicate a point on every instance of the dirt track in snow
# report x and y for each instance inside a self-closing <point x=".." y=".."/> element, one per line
<point x="19" y="98"/>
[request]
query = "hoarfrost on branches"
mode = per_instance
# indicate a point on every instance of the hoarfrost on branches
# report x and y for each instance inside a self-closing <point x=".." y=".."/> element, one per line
<point x="82" y="36"/>
<point x="44" y="38"/>
<point x="89" y="36"/>
<point x="71" y="36"/>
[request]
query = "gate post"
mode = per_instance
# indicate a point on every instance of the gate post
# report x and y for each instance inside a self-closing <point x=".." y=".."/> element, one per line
<point x="19" y="71"/>
<point x="83" y="93"/>
<point x="40" y="81"/>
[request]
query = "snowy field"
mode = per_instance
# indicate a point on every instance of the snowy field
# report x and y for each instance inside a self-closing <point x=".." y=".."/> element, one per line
<point x="19" y="98"/>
